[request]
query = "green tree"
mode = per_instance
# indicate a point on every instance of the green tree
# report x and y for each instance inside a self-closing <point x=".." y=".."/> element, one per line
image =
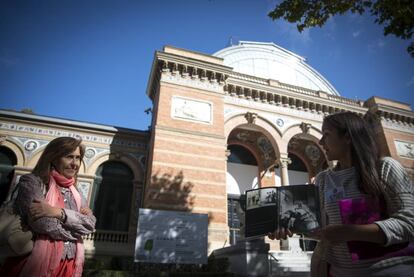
<point x="397" y="16"/>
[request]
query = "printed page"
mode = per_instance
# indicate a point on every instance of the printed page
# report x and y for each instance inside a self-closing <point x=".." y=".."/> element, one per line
<point x="299" y="208"/>
<point x="260" y="210"/>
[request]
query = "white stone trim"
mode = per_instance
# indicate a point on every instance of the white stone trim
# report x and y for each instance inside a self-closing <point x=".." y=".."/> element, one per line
<point x="398" y="126"/>
<point x="188" y="81"/>
<point x="59" y="133"/>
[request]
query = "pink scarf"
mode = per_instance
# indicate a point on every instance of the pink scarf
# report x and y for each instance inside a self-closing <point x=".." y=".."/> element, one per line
<point x="47" y="254"/>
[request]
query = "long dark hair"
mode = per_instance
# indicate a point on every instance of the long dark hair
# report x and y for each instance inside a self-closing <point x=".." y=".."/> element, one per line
<point x="56" y="149"/>
<point x="364" y="149"/>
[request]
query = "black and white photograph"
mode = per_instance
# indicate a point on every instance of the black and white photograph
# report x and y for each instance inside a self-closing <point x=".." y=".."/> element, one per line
<point x="268" y="196"/>
<point x="252" y="199"/>
<point x="299" y="210"/>
<point x="260" y="198"/>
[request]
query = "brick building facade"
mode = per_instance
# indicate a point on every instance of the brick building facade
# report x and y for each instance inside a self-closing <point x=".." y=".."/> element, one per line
<point x="206" y="108"/>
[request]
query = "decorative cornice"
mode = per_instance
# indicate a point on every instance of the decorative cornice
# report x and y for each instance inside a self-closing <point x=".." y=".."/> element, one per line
<point x="269" y="85"/>
<point x="394" y="115"/>
<point x="397" y="125"/>
<point x="194" y="63"/>
<point x="50" y="120"/>
<point x="311" y="114"/>
<point x="187" y="81"/>
<point x="185" y="71"/>
<point x="22" y="128"/>
<point x="276" y="97"/>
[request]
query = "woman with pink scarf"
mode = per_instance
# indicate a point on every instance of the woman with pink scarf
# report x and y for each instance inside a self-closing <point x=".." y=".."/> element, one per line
<point x="58" y="216"/>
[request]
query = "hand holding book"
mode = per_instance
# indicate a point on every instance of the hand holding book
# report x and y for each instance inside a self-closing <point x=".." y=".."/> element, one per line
<point x="288" y="210"/>
<point x="280" y="234"/>
<point x="333" y="233"/>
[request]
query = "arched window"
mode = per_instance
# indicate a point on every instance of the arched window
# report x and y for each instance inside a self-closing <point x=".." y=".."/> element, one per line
<point x="112" y="195"/>
<point x="297" y="164"/>
<point x="240" y="155"/>
<point x="7" y="162"/>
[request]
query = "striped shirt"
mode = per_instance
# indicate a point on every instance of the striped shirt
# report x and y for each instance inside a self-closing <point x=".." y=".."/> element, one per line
<point x="398" y="228"/>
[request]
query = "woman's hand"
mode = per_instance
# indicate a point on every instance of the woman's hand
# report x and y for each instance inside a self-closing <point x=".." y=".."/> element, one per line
<point x="280" y="234"/>
<point x="86" y="211"/>
<point x="347" y="232"/>
<point x="40" y="208"/>
<point x="332" y="233"/>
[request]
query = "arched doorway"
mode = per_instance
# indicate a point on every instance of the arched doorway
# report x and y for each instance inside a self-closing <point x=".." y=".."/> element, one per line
<point x="7" y="162"/>
<point x="298" y="173"/>
<point x="242" y="170"/>
<point x="242" y="174"/>
<point x="112" y="196"/>
<point x="251" y="155"/>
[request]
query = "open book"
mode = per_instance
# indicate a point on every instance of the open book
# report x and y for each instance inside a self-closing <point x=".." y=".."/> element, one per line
<point x="295" y="207"/>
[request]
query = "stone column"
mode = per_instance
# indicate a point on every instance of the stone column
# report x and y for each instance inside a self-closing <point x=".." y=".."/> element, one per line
<point x="284" y="176"/>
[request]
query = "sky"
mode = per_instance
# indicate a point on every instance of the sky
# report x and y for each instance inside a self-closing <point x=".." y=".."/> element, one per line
<point x="90" y="60"/>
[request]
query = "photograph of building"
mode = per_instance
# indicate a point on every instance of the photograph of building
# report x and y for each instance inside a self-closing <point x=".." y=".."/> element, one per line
<point x="248" y="116"/>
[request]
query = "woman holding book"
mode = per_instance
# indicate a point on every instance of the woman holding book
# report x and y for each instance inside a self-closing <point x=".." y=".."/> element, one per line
<point x="49" y="203"/>
<point x="367" y="204"/>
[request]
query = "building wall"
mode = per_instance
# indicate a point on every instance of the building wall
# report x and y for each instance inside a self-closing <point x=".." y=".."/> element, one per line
<point x="187" y="169"/>
<point x="188" y="161"/>
<point x="182" y="163"/>
<point x="405" y="153"/>
<point x="28" y="135"/>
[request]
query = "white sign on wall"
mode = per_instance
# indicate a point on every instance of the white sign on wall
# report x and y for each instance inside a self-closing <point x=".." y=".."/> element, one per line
<point x="191" y="109"/>
<point x="171" y="237"/>
<point x="405" y="149"/>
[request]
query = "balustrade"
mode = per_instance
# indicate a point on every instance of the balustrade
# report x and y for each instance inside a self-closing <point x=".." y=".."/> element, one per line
<point x="107" y="236"/>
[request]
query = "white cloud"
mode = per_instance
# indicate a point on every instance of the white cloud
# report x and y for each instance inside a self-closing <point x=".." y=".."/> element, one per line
<point x="356" y="34"/>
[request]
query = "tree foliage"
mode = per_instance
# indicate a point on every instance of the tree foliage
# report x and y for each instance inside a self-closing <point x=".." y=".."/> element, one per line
<point x="397" y="16"/>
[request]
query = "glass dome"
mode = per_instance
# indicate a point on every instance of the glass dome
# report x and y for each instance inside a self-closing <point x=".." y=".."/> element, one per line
<point x="270" y="61"/>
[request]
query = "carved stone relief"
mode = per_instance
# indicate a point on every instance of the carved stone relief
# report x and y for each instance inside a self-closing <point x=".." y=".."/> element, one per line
<point x="405" y="149"/>
<point x="256" y="141"/>
<point x="250" y="117"/>
<point x="83" y="188"/>
<point x="194" y="110"/>
<point x="92" y="153"/>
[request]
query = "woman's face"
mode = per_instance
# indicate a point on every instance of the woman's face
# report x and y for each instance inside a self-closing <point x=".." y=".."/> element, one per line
<point x="69" y="165"/>
<point x="336" y="146"/>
